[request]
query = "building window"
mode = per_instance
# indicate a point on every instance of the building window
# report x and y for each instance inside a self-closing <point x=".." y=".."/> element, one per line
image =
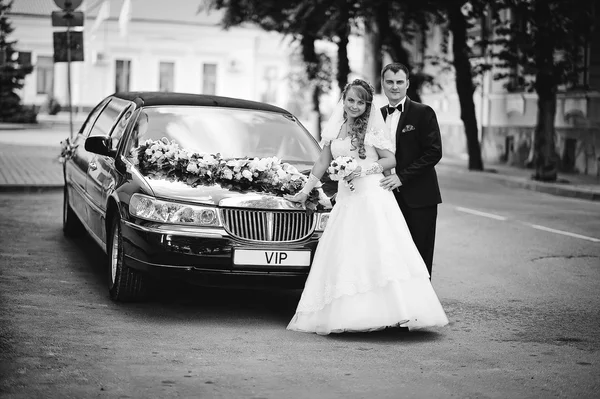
<point x="269" y="92"/>
<point x="166" y="80"/>
<point x="209" y="79"/>
<point x="123" y="75"/>
<point x="45" y="74"/>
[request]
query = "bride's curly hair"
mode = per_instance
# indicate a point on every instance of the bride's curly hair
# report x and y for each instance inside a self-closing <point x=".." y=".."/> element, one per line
<point x="358" y="130"/>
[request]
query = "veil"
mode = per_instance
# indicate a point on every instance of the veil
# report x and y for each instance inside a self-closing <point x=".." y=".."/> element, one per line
<point x="377" y="134"/>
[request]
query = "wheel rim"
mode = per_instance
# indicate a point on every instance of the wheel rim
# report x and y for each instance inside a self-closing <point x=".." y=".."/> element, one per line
<point x="114" y="254"/>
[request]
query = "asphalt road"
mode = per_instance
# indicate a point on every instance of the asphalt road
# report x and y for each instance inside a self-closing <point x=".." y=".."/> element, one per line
<point x="518" y="273"/>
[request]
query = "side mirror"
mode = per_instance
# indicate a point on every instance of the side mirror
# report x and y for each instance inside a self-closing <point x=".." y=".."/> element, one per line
<point x="99" y="145"/>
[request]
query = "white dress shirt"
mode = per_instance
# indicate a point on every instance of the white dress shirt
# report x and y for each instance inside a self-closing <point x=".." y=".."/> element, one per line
<point x="391" y="121"/>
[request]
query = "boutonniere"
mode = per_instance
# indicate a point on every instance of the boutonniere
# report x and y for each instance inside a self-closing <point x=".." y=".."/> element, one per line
<point x="408" y="128"/>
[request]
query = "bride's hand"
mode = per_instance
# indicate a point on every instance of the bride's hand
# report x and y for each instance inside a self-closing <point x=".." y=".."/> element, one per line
<point x="354" y="174"/>
<point x="298" y="197"/>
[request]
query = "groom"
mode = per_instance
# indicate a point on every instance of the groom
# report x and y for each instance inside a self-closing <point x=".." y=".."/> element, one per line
<point x="418" y="150"/>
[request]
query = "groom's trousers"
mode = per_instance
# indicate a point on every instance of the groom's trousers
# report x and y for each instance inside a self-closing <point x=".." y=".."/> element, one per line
<point x="422" y="224"/>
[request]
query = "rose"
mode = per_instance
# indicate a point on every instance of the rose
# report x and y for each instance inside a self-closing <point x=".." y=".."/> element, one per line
<point x="227" y="174"/>
<point x="247" y="174"/>
<point x="192" y="167"/>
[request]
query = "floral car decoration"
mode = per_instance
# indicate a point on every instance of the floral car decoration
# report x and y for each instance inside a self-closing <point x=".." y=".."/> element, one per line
<point x="66" y="150"/>
<point x="164" y="159"/>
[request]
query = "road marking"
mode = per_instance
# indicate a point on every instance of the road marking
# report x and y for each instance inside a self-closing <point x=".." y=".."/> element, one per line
<point x="479" y="213"/>
<point x="566" y="233"/>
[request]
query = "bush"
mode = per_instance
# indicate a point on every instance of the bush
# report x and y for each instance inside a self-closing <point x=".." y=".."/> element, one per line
<point x="24" y="115"/>
<point x="52" y="105"/>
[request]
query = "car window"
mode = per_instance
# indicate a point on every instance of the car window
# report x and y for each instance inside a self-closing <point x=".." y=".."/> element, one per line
<point x="138" y="131"/>
<point x="119" y="129"/>
<point x="89" y="122"/>
<point x="109" y="117"/>
<point x="231" y="132"/>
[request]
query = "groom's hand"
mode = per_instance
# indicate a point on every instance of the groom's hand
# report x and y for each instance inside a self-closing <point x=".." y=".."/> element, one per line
<point x="390" y="182"/>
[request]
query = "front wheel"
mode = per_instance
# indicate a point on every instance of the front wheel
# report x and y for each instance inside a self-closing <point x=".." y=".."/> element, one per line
<point x="125" y="284"/>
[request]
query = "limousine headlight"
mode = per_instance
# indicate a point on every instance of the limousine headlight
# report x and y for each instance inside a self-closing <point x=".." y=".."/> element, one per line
<point x="322" y="219"/>
<point x="150" y="208"/>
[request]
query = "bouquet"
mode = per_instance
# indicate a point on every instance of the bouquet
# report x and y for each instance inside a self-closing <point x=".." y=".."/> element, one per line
<point x="341" y="167"/>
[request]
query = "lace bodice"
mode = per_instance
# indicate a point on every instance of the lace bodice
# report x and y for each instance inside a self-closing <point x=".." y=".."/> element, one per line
<point x="374" y="138"/>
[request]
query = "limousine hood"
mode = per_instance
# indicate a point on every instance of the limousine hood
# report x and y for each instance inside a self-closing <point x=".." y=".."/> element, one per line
<point x="216" y="195"/>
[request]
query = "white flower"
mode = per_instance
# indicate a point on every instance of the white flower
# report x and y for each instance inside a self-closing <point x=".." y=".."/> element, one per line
<point x="227" y="174"/>
<point x="290" y="168"/>
<point x="236" y="164"/>
<point x="192" y="167"/>
<point x="281" y="174"/>
<point x="182" y="156"/>
<point x="247" y="174"/>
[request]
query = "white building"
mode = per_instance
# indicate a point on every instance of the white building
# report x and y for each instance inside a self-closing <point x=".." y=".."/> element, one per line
<point x="163" y="45"/>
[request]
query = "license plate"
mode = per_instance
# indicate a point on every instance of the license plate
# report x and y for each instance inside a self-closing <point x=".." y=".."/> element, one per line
<point x="271" y="258"/>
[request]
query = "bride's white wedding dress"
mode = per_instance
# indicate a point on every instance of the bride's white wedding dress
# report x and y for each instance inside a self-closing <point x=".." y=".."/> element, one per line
<point x="367" y="274"/>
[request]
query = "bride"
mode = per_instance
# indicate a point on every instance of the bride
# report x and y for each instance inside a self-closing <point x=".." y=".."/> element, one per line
<point x="367" y="274"/>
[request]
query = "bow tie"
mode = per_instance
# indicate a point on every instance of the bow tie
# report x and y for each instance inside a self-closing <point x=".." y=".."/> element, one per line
<point x="391" y="109"/>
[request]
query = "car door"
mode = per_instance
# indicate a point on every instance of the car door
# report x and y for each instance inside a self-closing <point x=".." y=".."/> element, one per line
<point x="76" y="167"/>
<point x="101" y="171"/>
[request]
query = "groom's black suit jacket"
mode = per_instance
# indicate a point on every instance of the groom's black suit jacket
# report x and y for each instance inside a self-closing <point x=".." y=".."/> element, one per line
<point x="418" y="150"/>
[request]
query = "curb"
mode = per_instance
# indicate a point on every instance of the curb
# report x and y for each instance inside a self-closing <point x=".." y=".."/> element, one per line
<point x="557" y="189"/>
<point x="30" y="188"/>
<point x="547" y="188"/>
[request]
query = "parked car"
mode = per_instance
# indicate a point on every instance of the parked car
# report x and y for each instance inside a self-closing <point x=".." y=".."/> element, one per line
<point x="154" y="226"/>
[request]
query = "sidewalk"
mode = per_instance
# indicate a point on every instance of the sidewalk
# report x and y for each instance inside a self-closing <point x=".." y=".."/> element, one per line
<point x="569" y="184"/>
<point x="29" y="162"/>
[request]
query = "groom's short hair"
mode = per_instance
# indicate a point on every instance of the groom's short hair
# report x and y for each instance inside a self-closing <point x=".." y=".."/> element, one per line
<point x="395" y="67"/>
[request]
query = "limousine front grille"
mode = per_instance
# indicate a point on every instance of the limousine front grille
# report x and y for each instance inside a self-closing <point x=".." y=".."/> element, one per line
<point x="268" y="226"/>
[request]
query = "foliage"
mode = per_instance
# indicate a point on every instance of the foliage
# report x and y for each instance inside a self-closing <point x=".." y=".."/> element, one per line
<point x="305" y="21"/>
<point x="541" y="47"/>
<point x="52" y="105"/>
<point x="11" y="72"/>
<point x="302" y="86"/>
<point x="547" y="35"/>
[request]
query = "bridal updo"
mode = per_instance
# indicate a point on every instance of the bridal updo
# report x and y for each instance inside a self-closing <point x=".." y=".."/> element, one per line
<point x="364" y="91"/>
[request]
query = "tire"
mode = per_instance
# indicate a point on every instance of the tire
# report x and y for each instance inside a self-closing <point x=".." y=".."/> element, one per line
<point x="72" y="226"/>
<point x="124" y="283"/>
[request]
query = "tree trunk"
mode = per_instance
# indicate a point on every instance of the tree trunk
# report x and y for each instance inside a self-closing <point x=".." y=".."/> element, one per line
<point x="311" y="61"/>
<point x="464" y="83"/>
<point x="343" y="69"/>
<point x="316" y="96"/>
<point x="545" y="158"/>
<point x="392" y="43"/>
<point x="373" y="61"/>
